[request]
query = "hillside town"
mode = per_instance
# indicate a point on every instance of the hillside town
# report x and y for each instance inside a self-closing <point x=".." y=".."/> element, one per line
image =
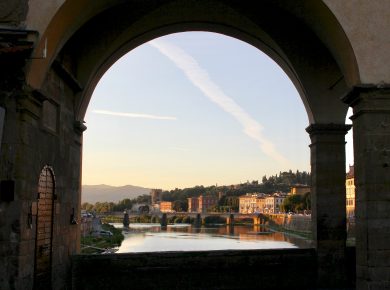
<point x="252" y="202"/>
<point x="248" y="202"/>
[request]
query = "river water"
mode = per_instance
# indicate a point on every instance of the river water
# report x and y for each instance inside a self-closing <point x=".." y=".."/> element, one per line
<point x="184" y="237"/>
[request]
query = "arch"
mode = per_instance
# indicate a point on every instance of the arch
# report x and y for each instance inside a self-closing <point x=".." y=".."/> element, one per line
<point x="44" y="229"/>
<point x="313" y="51"/>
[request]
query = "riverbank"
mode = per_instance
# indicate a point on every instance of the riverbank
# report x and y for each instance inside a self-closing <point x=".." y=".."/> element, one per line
<point x="99" y="243"/>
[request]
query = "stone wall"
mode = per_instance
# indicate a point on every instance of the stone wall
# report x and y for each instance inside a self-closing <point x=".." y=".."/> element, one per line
<point x="243" y="269"/>
<point x="39" y="130"/>
<point x="296" y="223"/>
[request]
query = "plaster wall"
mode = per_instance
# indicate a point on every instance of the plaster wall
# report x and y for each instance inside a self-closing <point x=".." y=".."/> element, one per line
<point x="360" y="20"/>
<point x="367" y="24"/>
<point x="37" y="8"/>
<point x="13" y="12"/>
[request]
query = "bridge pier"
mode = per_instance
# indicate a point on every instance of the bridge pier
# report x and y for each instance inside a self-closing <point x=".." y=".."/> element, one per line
<point x="198" y="221"/>
<point x="126" y="220"/>
<point x="164" y="220"/>
<point x="257" y="220"/>
<point x="230" y="220"/>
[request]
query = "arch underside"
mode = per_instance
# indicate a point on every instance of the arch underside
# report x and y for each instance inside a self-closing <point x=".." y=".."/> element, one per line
<point x="281" y="32"/>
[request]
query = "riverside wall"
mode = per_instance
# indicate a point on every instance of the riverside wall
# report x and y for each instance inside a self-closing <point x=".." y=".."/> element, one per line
<point x="238" y="269"/>
<point x="296" y="223"/>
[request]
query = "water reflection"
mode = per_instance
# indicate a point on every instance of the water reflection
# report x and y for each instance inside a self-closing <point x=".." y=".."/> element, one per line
<point x="184" y="237"/>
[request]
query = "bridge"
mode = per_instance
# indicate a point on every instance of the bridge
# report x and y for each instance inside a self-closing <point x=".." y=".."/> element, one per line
<point x="257" y="218"/>
<point x="53" y="54"/>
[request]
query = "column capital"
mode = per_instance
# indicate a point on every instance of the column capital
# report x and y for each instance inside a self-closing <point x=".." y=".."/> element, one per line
<point x="79" y="127"/>
<point x="373" y="91"/>
<point x="328" y="129"/>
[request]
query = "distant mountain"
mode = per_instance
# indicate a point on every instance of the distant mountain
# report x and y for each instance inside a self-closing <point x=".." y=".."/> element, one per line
<point x="103" y="192"/>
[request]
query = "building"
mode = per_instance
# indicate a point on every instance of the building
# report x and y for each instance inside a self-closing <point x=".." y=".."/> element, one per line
<point x="273" y="202"/>
<point x="221" y="194"/>
<point x="155" y="195"/>
<point x="86" y="223"/>
<point x="166" y="206"/>
<point x="299" y="189"/>
<point x="350" y="192"/>
<point x="251" y="203"/>
<point x="193" y="204"/>
<point x="206" y="202"/>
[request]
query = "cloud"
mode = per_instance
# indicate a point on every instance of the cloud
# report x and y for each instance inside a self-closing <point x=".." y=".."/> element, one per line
<point x="134" y="115"/>
<point x="200" y="78"/>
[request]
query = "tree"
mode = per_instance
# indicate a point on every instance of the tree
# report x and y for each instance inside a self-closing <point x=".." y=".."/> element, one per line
<point x="180" y="205"/>
<point x="292" y="203"/>
<point x="87" y="206"/>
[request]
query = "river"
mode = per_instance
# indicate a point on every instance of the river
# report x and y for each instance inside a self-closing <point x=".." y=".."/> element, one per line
<point x="184" y="237"/>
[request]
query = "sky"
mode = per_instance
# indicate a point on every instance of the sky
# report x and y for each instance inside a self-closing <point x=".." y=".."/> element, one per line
<point x="191" y="109"/>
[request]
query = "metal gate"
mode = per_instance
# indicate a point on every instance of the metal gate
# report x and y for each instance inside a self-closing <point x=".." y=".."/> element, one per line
<point x="44" y="230"/>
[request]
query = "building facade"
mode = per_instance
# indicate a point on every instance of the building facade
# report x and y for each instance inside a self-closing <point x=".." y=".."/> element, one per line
<point x="273" y="203"/>
<point x="350" y="192"/>
<point x="206" y="202"/>
<point x="166" y="206"/>
<point x="251" y="203"/>
<point x="193" y="204"/>
<point x="155" y="195"/>
<point x="300" y="189"/>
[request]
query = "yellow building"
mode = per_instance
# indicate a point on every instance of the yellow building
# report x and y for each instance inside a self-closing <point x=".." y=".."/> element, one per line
<point x="166" y="206"/>
<point x="273" y="202"/>
<point x="251" y="203"/>
<point x="300" y="189"/>
<point x="350" y="192"/>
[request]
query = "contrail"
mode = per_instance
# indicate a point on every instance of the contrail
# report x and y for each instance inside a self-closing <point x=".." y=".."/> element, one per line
<point x="134" y="115"/>
<point x="200" y="78"/>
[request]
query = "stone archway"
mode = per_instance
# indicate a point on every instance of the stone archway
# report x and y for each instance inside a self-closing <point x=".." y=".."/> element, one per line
<point x="44" y="229"/>
<point x="326" y="47"/>
<point x="319" y="74"/>
<point x="84" y="56"/>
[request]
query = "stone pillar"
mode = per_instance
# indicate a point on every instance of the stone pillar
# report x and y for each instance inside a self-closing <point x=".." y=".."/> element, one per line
<point x="371" y="133"/>
<point x="230" y="220"/>
<point x="164" y="220"/>
<point x="126" y="220"/>
<point x="198" y="221"/>
<point x="257" y="220"/>
<point x="328" y="199"/>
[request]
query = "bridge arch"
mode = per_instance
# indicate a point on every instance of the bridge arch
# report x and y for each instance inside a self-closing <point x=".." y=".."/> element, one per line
<point x="325" y="47"/>
<point x="318" y="59"/>
<point x="85" y="38"/>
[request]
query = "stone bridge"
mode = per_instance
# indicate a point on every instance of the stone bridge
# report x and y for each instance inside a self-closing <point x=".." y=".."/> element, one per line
<point x="257" y="218"/>
<point x="52" y="55"/>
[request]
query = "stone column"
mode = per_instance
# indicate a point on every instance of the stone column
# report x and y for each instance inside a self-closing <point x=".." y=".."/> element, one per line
<point x="164" y="220"/>
<point x="328" y="199"/>
<point x="371" y="133"/>
<point x="230" y="220"/>
<point x="257" y="220"/>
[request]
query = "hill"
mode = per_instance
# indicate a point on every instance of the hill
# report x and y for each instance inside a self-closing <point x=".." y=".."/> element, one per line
<point x="103" y="193"/>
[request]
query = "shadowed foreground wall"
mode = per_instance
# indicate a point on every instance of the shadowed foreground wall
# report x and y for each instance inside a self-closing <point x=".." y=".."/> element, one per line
<point x="241" y="269"/>
<point x="244" y="269"/>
